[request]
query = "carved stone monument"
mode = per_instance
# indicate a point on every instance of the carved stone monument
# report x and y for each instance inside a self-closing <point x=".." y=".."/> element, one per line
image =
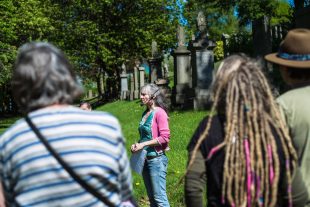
<point x="141" y="75"/>
<point x="136" y="75"/>
<point x="181" y="92"/>
<point x="124" y="83"/>
<point x="202" y="63"/>
<point x="155" y="64"/>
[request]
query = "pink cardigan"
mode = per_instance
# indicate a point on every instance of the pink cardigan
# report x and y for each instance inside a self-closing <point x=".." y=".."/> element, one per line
<point x="160" y="129"/>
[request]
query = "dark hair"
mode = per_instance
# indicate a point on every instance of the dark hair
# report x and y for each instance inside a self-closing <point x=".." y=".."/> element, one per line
<point x="43" y="76"/>
<point x="298" y="73"/>
<point x="88" y="105"/>
<point x="155" y="93"/>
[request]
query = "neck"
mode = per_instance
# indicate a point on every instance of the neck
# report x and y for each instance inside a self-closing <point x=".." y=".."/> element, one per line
<point x="151" y="107"/>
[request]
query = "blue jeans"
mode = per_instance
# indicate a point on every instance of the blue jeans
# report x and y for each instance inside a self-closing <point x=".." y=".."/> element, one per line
<point x="154" y="176"/>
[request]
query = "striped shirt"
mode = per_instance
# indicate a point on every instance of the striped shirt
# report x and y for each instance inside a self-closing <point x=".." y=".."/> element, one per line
<point x="90" y="142"/>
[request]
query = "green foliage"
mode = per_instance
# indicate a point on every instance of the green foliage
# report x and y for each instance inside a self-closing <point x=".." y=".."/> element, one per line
<point x="182" y="126"/>
<point x="97" y="36"/>
<point x="220" y="17"/>
<point x="240" y="43"/>
<point x="21" y="21"/>
<point x="283" y="14"/>
<point x="219" y="51"/>
<point x="279" y="11"/>
<point x="110" y="32"/>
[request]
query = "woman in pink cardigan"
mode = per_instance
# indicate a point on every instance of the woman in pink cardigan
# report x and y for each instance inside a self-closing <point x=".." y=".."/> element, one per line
<point x="154" y="138"/>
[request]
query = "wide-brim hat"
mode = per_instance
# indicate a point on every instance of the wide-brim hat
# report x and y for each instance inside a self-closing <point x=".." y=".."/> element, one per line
<point x="294" y="50"/>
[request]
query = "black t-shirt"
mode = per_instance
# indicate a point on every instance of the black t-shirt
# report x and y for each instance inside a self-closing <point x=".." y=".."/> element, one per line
<point x="214" y="166"/>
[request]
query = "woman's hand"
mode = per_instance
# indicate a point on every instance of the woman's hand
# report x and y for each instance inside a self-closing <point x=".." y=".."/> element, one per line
<point x="136" y="147"/>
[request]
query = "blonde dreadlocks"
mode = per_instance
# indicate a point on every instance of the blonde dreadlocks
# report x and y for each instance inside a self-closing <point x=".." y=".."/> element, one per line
<point x="252" y="166"/>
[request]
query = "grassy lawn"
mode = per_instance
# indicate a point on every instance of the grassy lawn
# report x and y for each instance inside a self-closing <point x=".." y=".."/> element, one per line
<point x="182" y="125"/>
<point x="6" y="123"/>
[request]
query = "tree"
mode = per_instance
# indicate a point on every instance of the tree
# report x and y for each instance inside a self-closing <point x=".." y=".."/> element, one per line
<point x="21" y="21"/>
<point x="111" y="32"/>
<point x="220" y="19"/>
<point x="96" y="35"/>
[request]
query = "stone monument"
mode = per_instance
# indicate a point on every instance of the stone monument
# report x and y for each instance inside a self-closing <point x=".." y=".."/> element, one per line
<point x="202" y="63"/>
<point x="155" y="64"/>
<point x="136" y="82"/>
<point x="182" y="95"/>
<point x="124" y="83"/>
<point x="141" y="76"/>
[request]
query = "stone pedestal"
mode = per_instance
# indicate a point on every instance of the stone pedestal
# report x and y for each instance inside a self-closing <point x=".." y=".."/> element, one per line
<point x="202" y="63"/>
<point x="182" y="93"/>
<point x="90" y="94"/>
<point x="136" y="81"/>
<point x="132" y="87"/>
<point x="165" y="89"/>
<point x="124" y="86"/>
<point x="155" y="69"/>
<point x="141" y="75"/>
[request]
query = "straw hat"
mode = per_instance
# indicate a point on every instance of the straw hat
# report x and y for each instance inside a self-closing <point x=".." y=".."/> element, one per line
<point x="294" y="50"/>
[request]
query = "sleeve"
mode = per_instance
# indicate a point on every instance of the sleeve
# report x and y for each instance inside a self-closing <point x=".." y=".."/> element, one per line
<point x="283" y="110"/>
<point x="195" y="182"/>
<point x="163" y="127"/>
<point x="2" y="197"/>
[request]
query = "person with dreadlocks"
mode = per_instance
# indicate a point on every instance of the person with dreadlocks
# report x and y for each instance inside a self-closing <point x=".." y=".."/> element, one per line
<point x="293" y="59"/>
<point x="243" y="144"/>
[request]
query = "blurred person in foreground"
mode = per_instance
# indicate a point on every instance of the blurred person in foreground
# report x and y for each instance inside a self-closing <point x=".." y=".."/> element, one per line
<point x="243" y="146"/>
<point x="293" y="60"/>
<point x="91" y="143"/>
<point x="85" y="106"/>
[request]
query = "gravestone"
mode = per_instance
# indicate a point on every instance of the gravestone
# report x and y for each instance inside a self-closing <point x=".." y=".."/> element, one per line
<point x="90" y="94"/>
<point x="165" y="89"/>
<point x="202" y="64"/>
<point x="182" y="94"/>
<point x="124" y="83"/>
<point x="155" y="64"/>
<point x="136" y="82"/>
<point x="132" y="87"/>
<point x="141" y="76"/>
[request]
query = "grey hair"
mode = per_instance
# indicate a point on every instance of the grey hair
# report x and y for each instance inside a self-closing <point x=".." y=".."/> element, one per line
<point x="43" y="76"/>
<point x="155" y="93"/>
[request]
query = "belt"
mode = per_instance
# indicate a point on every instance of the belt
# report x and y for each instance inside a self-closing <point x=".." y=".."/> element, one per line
<point x="152" y="157"/>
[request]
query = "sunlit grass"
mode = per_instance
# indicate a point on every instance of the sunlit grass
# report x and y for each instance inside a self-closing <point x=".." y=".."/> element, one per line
<point x="6" y="123"/>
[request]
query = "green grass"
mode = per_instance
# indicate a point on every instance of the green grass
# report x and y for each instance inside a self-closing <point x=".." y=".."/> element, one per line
<point x="182" y="125"/>
<point x="6" y="123"/>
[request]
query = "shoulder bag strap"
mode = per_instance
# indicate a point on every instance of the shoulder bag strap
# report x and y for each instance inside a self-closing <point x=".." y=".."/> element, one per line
<point x="77" y="178"/>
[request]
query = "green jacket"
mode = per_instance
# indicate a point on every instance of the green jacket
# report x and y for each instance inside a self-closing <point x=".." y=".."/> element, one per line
<point x="295" y="108"/>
